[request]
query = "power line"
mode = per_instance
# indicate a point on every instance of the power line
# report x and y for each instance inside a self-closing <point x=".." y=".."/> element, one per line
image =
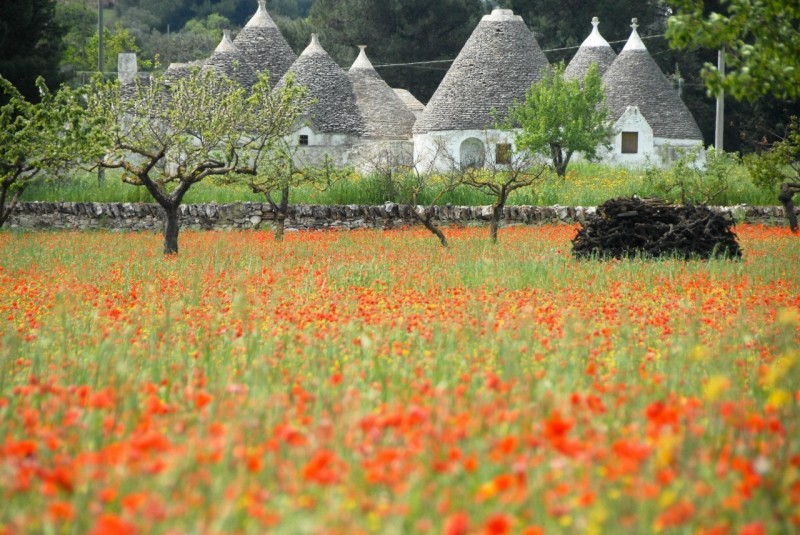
<point x="419" y="63"/>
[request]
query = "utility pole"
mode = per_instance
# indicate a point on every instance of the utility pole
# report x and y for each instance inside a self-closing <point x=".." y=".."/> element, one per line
<point x="100" y="35"/>
<point x="720" y="124"/>
<point x="101" y="175"/>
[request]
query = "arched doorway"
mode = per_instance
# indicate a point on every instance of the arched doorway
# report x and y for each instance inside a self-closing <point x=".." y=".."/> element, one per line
<point x="472" y="153"/>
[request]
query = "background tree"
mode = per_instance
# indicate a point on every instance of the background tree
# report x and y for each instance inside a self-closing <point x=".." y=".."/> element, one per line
<point x="30" y="44"/>
<point x="38" y="138"/>
<point x="560" y="118"/>
<point x="167" y="142"/>
<point x="778" y="168"/>
<point x="761" y="42"/>
<point x="752" y="122"/>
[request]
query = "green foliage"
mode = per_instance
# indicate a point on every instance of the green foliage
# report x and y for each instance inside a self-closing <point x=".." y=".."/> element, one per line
<point x="585" y="184"/>
<point x="41" y="138"/>
<point x="697" y="177"/>
<point x="114" y="42"/>
<point x="212" y="25"/>
<point x="561" y="117"/>
<point x="760" y="38"/>
<point x="30" y="44"/>
<point x="781" y="163"/>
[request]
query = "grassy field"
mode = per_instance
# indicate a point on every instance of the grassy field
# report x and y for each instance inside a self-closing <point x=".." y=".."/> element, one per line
<point x="585" y="185"/>
<point x="372" y="382"/>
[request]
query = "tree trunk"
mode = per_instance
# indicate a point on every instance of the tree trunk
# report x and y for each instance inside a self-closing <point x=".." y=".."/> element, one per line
<point x="786" y="197"/>
<point x="558" y="160"/>
<point x="281" y="213"/>
<point x="7" y="206"/>
<point x="171" y="228"/>
<point x="4" y="213"/>
<point x="497" y="213"/>
<point x="428" y="224"/>
<point x="436" y="231"/>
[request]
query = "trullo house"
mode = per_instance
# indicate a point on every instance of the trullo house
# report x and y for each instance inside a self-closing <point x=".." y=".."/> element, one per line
<point x="331" y="123"/>
<point x="497" y="65"/>
<point x="651" y="122"/>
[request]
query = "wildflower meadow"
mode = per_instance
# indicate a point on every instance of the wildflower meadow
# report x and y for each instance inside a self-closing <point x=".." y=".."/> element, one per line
<point x="373" y="382"/>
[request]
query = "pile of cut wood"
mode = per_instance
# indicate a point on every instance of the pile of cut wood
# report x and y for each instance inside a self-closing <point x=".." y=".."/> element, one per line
<point x="626" y="227"/>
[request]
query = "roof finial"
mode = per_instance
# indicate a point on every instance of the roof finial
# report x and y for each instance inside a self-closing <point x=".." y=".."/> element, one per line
<point x="362" y="61"/>
<point x="595" y="39"/>
<point x="314" y="47"/>
<point x="226" y="45"/>
<point x="262" y="5"/>
<point x="634" y="41"/>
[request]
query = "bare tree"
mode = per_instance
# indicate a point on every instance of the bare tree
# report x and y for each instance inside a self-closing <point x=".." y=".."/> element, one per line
<point x="281" y="169"/>
<point x="498" y="179"/>
<point x="411" y="180"/>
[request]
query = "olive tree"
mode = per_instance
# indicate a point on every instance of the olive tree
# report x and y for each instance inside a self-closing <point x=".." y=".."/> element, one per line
<point x="167" y="139"/>
<point x="38" y="139"/>
<point x="271" y="168"/>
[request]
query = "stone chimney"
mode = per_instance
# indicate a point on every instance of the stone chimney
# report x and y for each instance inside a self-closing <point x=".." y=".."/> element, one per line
<point x="126" y="67"/>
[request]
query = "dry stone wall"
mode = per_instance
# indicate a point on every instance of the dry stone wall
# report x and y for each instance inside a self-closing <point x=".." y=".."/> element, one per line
<point x="133" y="217"/>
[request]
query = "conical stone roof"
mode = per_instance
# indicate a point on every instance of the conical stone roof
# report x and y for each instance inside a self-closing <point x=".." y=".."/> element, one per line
<point x="263" y="45"/>
<point x="178" y="71"/>
<point x="385" y="116"/>
<point x="594" y="49"/>
<point x="497" y="65"/>
<point x="227" y="59"/>
<point x="634" y="79"/>
<point x="409" y="100"/>
<point x="335" y="110"/>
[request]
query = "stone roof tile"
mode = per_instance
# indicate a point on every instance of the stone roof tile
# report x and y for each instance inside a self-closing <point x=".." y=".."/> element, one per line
<point x="263" y="45"/>
<point x="335" y="110"/>
<point x="594" y="49"/>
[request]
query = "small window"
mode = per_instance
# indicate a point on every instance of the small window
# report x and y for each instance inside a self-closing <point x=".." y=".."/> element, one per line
<point x="630" y="142"/>
<point x="303" y="139"/>
<point x="502" y="153"/>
